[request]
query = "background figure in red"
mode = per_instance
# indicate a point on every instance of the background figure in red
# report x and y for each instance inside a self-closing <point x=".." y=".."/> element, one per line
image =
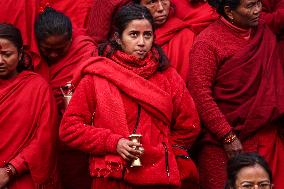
<point x="22" y="14"/>
<point x="28" y="158"/>
<point x="236" y="79"/>
<point x="273" y="14"/>
<point x="63" y="50"/>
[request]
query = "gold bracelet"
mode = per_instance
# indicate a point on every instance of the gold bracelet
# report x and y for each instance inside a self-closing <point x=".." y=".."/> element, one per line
<point x="230" y="138"/>
<point x="9" y="171"/>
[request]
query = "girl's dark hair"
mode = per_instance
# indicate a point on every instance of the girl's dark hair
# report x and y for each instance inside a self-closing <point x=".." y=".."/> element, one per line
<point x="13" y="34"/>
<point x="123" y="17"/>
<point x="241" y="161"/>
<point x="220" y="4"/>
<point x="51" y="22"/>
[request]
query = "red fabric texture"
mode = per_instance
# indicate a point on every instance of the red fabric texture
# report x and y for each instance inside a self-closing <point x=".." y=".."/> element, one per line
<point x="176" y="39"/>
<point x="197" y="16"/>
<point x="29" y="144"/>
<point x="165" y="103"/>
<point x="78" y="11"/>
<point x="234" y="83"/>
<point x="99" y="23"/>
<point x="273" y="14"/>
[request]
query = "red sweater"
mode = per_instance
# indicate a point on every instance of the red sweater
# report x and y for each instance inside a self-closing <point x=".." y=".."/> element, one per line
<point x="101" y="139"/>
<point x="210" y="50"/>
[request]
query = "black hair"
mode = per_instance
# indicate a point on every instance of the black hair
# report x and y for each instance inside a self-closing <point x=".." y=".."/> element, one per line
<point x="51" y="22"/>
<point x="220" y="4"/>
<point x="13" y="34"/>
<point x="122" y="18"/>
<point x="241" y="161"/>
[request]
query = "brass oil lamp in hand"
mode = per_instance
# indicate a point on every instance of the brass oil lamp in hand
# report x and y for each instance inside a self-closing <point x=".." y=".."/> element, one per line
<point x="136" y="138"/>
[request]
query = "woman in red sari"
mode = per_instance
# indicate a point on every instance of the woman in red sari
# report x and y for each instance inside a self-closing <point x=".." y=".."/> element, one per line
<point x="63" y="50"/>
<point x="131" y="90"/>
<point x="28" y="120"/>
<point x="236" y="80"/>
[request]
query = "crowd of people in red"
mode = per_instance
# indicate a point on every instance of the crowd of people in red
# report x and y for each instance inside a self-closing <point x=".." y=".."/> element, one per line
<point x="141" y="94"/>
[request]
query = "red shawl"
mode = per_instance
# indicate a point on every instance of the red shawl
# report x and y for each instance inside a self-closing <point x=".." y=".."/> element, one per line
<point x="61" y="72"/>
<point x="111" y="76"/>
<point x="249" y="91"/>
<point x="28" y="122"/>
<point x="197" y="16"/>
<point x="249" y="86"/>
<point x="176" y="39"/>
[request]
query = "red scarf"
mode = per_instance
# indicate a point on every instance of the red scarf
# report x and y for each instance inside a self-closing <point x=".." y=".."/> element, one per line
<point x="32" y="136"/>
<point x="143" y="67"/>
<point x="249" y="86"/>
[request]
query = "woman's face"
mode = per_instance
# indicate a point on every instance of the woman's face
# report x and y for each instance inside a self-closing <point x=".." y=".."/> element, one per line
<point x="250" y="177"/>
<point x="137" y="38"/>
<point x="247" y="13"/>
<point x="9" y="58"/>
<point x="54" y="47"/>
<point x="159" y="9"/>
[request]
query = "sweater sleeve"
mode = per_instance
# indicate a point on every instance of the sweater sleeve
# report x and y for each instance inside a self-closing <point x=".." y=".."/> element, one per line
<point x="204" y="63"/>
<point x="76" y="129"/>
<point x="185" y="125"/>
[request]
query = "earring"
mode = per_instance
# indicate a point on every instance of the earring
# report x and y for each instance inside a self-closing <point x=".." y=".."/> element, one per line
<point x="232" y="20"/>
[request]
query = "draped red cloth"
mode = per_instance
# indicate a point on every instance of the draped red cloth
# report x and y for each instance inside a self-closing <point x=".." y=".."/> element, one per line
<point x="273" y="14"/>
<point x="107" y="84"/>
<point x="78" y="11"/>
<point x="249" y="91"/>
<point x="176" y="39"/>
<point x="197" y="16"/>
<point x="82" y="48"/>
<point x="22" y="14"/>
<point x="28" y="122"/>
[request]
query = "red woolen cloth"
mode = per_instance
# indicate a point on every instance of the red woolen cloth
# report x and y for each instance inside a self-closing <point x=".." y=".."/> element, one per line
<point x="176" y="39"/>
<point x="237" y="84"/>
<point x="100" y="19"/>
<point x="106" y="85"/>
<point x="28" y="122"/>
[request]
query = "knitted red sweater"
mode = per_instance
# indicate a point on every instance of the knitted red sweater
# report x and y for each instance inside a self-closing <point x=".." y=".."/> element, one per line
<point x="211" y="49"/>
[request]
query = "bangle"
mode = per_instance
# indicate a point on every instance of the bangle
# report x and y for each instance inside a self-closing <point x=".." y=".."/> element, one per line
<point x="230" y="138"/>
<point x="9" y="171"/>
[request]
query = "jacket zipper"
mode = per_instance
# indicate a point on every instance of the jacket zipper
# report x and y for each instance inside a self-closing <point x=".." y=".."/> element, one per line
<point x="166" y="159"/>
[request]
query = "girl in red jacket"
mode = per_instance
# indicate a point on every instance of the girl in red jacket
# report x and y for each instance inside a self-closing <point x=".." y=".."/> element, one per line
<point x="130" y="89"/>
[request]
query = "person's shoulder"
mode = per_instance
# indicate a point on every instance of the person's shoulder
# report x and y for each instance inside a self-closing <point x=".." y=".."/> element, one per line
<point x="35" y="79"/>
<point x="211" y="32"/>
